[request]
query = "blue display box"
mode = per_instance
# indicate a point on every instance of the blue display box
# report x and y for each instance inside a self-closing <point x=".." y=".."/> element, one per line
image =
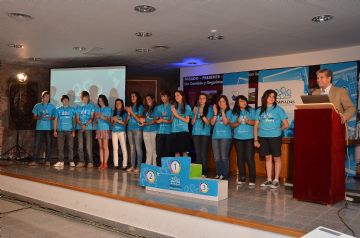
<point x="174" y="177"/>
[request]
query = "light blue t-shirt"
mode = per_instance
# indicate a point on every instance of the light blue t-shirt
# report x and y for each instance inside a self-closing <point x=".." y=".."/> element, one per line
<point x="178" y="125"/>
<point x="244" y="131"/>
<point x="148" y="118"/>
<point x="200" y="128"/>
<point x="117" y="127"/>
<point x="222" y="131"/>
<point x="270" y="121"/>
<point x="46" y="111"/>
<point x="133" y="124"/>
<point x="103" y="125"/>
<point x="84" y="111"/>
<point x="65" y="118"/>
<point x="164" y="111"/>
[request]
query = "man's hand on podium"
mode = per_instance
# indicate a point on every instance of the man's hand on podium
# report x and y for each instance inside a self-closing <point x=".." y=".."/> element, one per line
<point x="343" y="119"/>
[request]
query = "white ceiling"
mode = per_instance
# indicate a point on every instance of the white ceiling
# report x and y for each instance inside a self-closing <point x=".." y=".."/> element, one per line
<point x="252" y="28"/>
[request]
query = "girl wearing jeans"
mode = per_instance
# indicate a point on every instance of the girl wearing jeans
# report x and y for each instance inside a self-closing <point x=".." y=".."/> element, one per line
<point x="221" y="138"/>
<point x="119" y="121"/>
<point x="202" y="114"/>
<point x="243" y="120"/>
<point x="103" y="118"/>
<point x="149" y="129"/>
<point x="270" y="121"/>
<point x="135" y="112"/>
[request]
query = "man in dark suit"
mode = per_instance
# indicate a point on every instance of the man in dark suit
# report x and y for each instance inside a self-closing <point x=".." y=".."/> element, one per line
<point x="337" y="96"/>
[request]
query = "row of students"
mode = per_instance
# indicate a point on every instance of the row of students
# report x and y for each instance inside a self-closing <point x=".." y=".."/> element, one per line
<point x="261" y="128"/>
<point x="164" y="129"/>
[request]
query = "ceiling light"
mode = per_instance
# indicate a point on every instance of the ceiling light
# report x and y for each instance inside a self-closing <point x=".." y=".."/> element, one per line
<point x="322" y="18"/>
<point x="144" y="9"/>
<point x="143" y="50"/>
<point x="192" y="62"/>
<point x="161" y="47"/>
<point x="215" y="36"/>
<point x="20" y="16"/>
<point x="16" y="46"/>
<point x="143" y="34"/>
<point x="79" y="48"/>
<point x="21" y="77"/>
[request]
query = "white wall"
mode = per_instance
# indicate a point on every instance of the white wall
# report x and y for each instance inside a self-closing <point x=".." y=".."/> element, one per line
<point x="282" y="61"/>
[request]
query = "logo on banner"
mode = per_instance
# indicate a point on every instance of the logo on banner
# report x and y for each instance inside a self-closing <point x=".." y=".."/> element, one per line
<point x="204" y="188"/>
<point x="150" y="176"/>
<point x="284" y="95"/>
<point x="175" y="167"/>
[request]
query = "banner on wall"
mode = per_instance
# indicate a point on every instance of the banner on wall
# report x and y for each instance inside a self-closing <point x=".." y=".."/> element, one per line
<point x="236" y="84"/>
<point x="208" y="84"/>
<point x="290" y="84"/>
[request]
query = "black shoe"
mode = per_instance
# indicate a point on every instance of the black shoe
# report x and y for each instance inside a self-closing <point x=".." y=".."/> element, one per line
<point x="275" y="184"/>
<point x="267" y="183"/>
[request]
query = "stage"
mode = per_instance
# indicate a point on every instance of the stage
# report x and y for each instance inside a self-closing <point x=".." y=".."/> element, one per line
<point x="116" y="196"/>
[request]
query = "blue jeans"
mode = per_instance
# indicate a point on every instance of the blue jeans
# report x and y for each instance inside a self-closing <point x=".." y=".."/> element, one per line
<point x="89" y="147"/>
<point x="39" y="136"/>
<point x="62" y="136"/>
<point x="221" y="149"/>
<point x="135" y="142"/>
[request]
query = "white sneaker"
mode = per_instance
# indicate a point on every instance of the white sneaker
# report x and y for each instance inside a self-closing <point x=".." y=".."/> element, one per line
<point x="221" y="177"/>
<point x="72" y="164"/>
<point x="59" y="164"/>
<point x="217" y="177"/>
<point x="251" y="184"/>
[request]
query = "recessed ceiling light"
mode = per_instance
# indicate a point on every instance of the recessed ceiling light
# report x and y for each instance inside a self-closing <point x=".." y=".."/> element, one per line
<point x="20" y="16"/>
<point x="322" y="18"/>
<point x="143" y="34"/>
<point x="161" y="47"/>
<point x="215" y="36"/>
<point x="79" y="48"/>
<point x="16" y="46"/>
<point x="144" y="9"/>
<point x="143" y="50"/>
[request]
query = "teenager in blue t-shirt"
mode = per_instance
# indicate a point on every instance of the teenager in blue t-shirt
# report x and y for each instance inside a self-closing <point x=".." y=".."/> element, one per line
<point x="270" y="121"/>
<point x="202" y="113"/>
<point x="163" y="119"/>
<point x="103" y="118"/>
<point x="64" y="129"/>
<point x="119" y="121"/>
<point x="221" y="138"/>
<point x="180" y="136"/>
<point x="44" y="114"/>
<point x="150" y="128"/>
<point x="135" y="112"/>
<point x="84" y="117"/>
<point x="243" y="120"/>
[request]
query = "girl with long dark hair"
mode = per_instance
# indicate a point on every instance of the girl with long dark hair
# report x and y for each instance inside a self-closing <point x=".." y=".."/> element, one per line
<point x="270" y="121"/>
<point x="221" y="138"/>
<point x="135" y="113"/>
<point x="202" y="113"/>
<point x="103" y="118"/>
<point x="181" y="113"/>
<point x="243" y="120"/>
<point x="149" y="129"/>
<point x="119" y="121"/>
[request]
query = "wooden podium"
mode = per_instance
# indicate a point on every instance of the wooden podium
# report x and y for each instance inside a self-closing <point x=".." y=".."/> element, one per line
<point x="319" y="154"/>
